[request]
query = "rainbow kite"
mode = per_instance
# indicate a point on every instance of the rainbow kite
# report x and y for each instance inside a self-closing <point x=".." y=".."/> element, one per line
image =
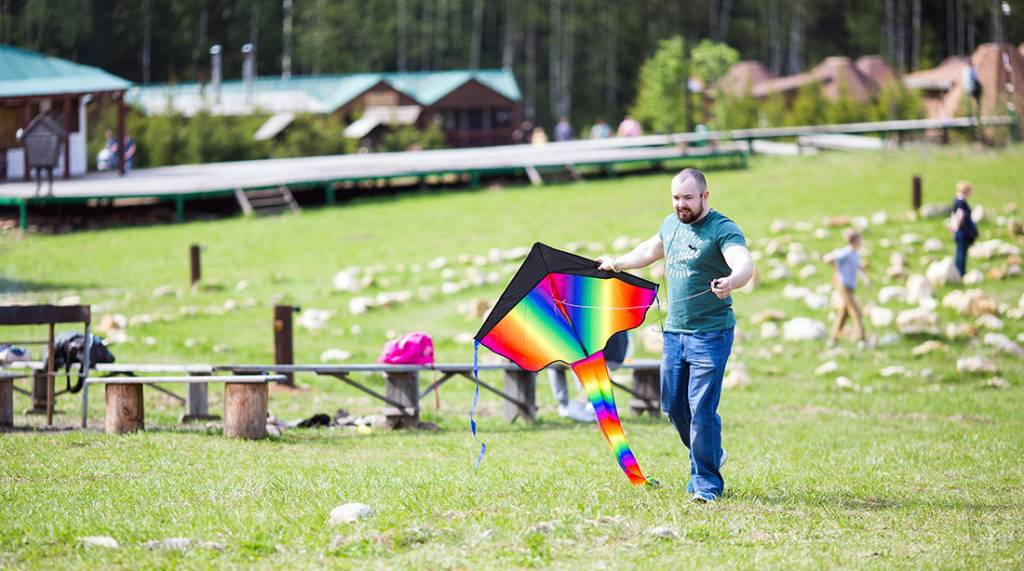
<point x="560" y="307"/>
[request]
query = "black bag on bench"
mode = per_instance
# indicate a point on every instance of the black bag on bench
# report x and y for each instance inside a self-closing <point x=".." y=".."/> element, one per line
<point x="69" y="348"/>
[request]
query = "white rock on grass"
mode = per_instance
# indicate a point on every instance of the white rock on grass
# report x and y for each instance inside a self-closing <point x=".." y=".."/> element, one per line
<point x="929" y="347"/>
<point x="662" y="532"/>
<point x="881" y="316"/>
<point x="987" y="249"/>
<point x="347" y="280"/>
<point x="1003" y="344"/>
<point x="769" y="330"/>
<point x="943" y="272"/>
<point x="989" y="322"/>
<point x="334" y="355"/>
<point x="348" y="513"/>
<point x="359" y="305"/>
<point x="969" y="302"/>
<point x="164" y="291"/>
<point x="312" y="318"/>
<point x="956" y="331"/>
<point x="737" y="377"/>
<point x="974" y="277"/>
<point x="777" y="272"/>
<point x="916" y="321"/>
<point x="99" y="541"/>
<point x="767" y="315"/>
<point x="997" y="383"/>
<point x="846" y="384"/>
<point x="803" y="329"/>
<point x="918" y="288"/>
<point x="816" y="301"/>
<point x="879" y="218"/>
<point x="894" y="370"/>
<point x="890" y="293"/>
<point x="933" y="245"/>
<point x="793" y="292"/>
<point x="826" y="368"/>
<point x="807" y="271"/>
<point x="975" y="364"/>
<point x="180" y="544"/>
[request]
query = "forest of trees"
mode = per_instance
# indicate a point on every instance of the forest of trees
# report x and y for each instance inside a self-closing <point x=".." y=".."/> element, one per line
<point x="571" y="57"/>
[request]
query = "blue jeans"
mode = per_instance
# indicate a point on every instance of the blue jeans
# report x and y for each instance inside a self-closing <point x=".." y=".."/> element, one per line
<point x="961" y="255"/>
<point x="691" y="385"/>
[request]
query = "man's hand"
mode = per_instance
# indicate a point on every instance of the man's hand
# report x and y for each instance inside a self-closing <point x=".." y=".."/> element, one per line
<point x="606" y="263"/>
<point x="721" y="287"/>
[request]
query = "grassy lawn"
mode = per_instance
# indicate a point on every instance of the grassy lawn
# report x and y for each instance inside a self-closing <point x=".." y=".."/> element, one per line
<point x="922" y="471"/>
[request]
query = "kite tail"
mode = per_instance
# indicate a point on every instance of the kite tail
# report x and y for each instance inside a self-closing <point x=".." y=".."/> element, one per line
<point x="476" y="397"/>
<point x="593" y="373"/>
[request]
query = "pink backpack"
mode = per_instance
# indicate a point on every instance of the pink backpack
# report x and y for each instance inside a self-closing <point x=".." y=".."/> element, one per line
<point x="414" y="348"/>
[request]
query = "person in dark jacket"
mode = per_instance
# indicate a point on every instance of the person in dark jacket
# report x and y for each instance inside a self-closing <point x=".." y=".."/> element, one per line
<point x="962" y="225"/>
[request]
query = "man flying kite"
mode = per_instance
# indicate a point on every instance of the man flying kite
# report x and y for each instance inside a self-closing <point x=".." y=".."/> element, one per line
<point x="706" y="258"/>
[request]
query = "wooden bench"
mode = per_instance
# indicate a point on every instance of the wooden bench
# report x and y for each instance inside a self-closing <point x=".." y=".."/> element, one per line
<point x="196" y="399"/>
<point x="7" y="398"/>
<point x="245" y="402"/>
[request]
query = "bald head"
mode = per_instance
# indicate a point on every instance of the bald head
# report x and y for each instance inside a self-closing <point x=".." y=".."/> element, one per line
<point x="690" y="176"/>
<point x="689" y="195"/>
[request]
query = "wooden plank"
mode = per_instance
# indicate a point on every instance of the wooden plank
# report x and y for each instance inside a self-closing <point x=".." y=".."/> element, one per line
<point x="44" y="314"/>
<point x="243" y="201"/>
<point x="7" y="401"/>
<point x="184" y="380"/>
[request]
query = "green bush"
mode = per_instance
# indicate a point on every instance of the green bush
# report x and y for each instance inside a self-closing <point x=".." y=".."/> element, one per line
<point x="314" y="135"/>
<point x="735" y="112"/>
<point x="659" y="104"/>
<point x="896" y="102"/>
<point x="408" y="137"/>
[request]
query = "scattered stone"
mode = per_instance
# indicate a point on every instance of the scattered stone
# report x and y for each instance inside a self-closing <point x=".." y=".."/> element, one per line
<point x="796" y="257"/>
<point x="807" y="271"/>
<point x="816" y="301"/>
<point x="989" y="322"/>
<point x="313" y="319"/>
<point x="335" y="355"/>
<point x="894" y="370"/>
<point x="859" y="223"/>
<point x="974" y="277"/>
<point x="909" y="238"/>
<point x="934" y="210"/>
<point x="929" y="347"/>
<point x="997" y="383"/>
<point x="826" y="368"/>
<point x="919" y="320"/>
<point x="933" y="245"/>
<point x="943" y="272"/>
<point x="163" y="291"/>
<point x="846" y="384"/>
<point x="970" y="302"/>
<point x="1003" y="344"/>
<point x="881" y="316"/>
<point x="803" y="329"/>
<point x="975" y="364"/>
<point x="464" y="338"/>
<point x="890" y="293"/>
<point x="879" y="218"/>
<point x="955" y="331"/>
<point x="111" y="322"/>
<point x="348" y="513"/>
<point x="70" y="300"/>
<point x="769" y="330"/>
<point x="978" y="213"/>
<point x="544" y="527"/>
<point x="1014" y="227"/>
<point x="918" y="288"/>
<point x="181" y="544"/>
<point x="793" y="292"/>
<point x="778" y="226"/>
<point x="820" y="233"/>
<point x="777" y="315"/>
<point x="888" y="339"/>
<point x="662" y="532"/>
<point x="437" y="263"/>
<point x="273" y="431"/>
<point x="778" y="272"/>
<point x="987" y="249"/>
<point x="219" y="348"/>
<point x="737" y="377"/>
<point x="99" y="541"/>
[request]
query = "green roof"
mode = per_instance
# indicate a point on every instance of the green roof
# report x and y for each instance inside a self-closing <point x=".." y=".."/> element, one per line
<point x="25" y="73"/>
<point x="334" y="91"/>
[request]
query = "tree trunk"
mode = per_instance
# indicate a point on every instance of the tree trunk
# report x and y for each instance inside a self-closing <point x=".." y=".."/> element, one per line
<point x="775" y="37"/>
<point x="568" y="61"/>
<point x="555" y="58"/>
<point x="961" y="27"/>
<point x="476" y="35"/>
<point x="427" y="27"/>
<point x="915" y="42"/>
<point x="796" y="37"/>
<point x="147" y="36"/>
<point x="401" y="30"/>
<point x="611" y="70"/>
<point x="254" y="35"/>
<point x="997" y="21"/>
<point x="511" y="35"/>
<point x="723" y="20"/>
<point x="950" y="28"/>
<point x="201" y="51"/>
<point x="890" y="30"/>
<point x="901" y="36"/>
<point x="286" y="39"/>
<point x="530" y="101"/>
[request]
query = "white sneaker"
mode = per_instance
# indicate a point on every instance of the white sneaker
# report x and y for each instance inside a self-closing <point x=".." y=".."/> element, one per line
<point x="563" y="411"/>
<point x="581" y="412"/>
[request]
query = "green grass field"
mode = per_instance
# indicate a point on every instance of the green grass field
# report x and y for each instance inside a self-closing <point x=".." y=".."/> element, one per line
<point x="915" y="472"/>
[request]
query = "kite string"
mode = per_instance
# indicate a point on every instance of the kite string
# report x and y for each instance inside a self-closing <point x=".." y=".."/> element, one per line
<point x="476" y="397"/>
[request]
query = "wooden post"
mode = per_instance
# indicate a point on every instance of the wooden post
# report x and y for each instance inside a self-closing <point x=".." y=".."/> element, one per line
<point x="520" y="385"/>
<point x="916" y="192"/>
<point x="124" y="408"/>
<point x="6" y="403"/>
<point x="283" y="346"/>
<point x="647" y="384"/>
<point x="196" y="267"/>
<point x="38" y="393"/>
<point x="245" y="410"/>
<point x="49" y="379"/>
<point x="26" y="118"/>
<point x="120" y="133"/>
<point x="67" y="140"/>
<point x="402" y="387"/>
<point x="197" y="401"/>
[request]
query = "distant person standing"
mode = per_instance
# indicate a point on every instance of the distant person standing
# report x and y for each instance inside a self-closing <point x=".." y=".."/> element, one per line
<point x="563" y="130"/>
<point x="962" y="226"/>
<point x="630" y="127"/>
<point x="521" y="136"/>
<point x="600" y="130"/>
<point x="972" y="85"/>
<point x="538" y="137"/>
<point x="846" y="262"/>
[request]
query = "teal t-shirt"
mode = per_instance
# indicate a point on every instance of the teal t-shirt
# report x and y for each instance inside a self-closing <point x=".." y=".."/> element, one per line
<point x="693" y="258"/>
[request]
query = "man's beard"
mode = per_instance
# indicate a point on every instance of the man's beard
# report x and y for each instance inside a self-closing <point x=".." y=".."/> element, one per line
<point x="691" y="216"/>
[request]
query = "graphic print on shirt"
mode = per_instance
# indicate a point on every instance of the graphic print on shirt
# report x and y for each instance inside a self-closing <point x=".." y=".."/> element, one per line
<point x="685" y="251"/>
